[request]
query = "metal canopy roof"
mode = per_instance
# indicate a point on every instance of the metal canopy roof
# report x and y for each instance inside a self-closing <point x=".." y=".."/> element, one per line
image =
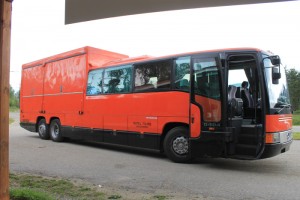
<point x="85" y="10"/>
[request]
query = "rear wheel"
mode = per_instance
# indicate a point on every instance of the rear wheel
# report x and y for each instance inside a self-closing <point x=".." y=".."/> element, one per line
<point x="55" y="131"/>
<point x="176" y="145"/>
<point x="43" y="129"/>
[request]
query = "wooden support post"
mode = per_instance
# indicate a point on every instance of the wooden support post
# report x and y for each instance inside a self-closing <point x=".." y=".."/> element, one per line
<point x="5" y="29"/>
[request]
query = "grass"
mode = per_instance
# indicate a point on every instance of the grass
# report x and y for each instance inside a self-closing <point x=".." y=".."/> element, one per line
<point x="296" y="118"/>
<point x="14" y="109"/>
<point x="11" y="120"/>
<point x="33" y="187"/>
<point x="28" y="187"/>
<point x="28" y="194"/>
<point x="296" y="135"/>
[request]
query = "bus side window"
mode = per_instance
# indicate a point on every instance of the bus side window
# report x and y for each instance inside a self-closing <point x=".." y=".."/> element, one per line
<point x="94" y="85"/>
<point x="117" y="80"/>
<point x="152" y="76"/>
<point x="182" y="73"/>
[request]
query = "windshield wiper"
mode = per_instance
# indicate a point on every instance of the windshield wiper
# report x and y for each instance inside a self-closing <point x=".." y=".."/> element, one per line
<point x="283" y="107"/>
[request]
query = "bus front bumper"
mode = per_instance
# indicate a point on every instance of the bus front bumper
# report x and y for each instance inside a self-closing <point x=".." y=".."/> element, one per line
<point x="275" y="149"/>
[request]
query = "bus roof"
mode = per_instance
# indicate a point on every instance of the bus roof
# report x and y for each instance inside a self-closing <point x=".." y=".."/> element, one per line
<point x="76" y="52"/>
<point x="119" y="59"/>
<point x="153" y="58"/>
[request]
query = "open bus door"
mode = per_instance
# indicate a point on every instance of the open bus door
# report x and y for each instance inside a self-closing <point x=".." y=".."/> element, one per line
<point x="244" y="110"/>
<point x="206" y="95"/>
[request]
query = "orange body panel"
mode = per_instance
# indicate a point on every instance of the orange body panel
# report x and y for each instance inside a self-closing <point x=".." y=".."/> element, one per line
<point x="55" y="86"/>
<point x="31" y="93"/>
<point x="195" y="121"/>
<point x="211" y="108"/>
<point x="278" y="123"/>
<point x="139" y="112"/>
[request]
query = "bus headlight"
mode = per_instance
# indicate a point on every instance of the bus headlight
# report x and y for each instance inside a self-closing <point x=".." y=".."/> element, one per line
<point x="279" y="137"/>
<point x="273" y="137"/>
<point x="276" y="137"/>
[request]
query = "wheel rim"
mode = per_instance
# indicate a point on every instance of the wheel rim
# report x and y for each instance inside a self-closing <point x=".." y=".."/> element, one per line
<point x="55" y="130"/>
<point x="180" y="145"/>
<point x="42" y="129"/>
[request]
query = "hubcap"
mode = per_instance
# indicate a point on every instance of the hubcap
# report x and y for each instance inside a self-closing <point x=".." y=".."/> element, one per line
<point x="55" y="131"/>
<point x="180" y="145"/>
<point x="42" y="129"/>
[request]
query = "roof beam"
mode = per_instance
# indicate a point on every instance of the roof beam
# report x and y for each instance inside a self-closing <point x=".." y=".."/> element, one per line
<point x="79" y="11"/>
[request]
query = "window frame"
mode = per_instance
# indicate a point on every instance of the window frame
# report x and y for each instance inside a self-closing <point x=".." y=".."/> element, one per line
<point x="171" y="62"/>
<point x="111" y="68"/>
<point x="174" y="72"/>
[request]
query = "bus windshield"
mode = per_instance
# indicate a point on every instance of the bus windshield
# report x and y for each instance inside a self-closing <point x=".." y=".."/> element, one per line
<point x="278" y="93"/>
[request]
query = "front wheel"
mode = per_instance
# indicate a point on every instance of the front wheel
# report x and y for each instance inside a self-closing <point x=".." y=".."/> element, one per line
<point x="55" y="131"/>
<point x="43" y="129"/>
<point x="176" y="145"/>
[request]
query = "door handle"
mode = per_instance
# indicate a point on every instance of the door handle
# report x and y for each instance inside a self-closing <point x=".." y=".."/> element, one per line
<point x="192" y="119"/>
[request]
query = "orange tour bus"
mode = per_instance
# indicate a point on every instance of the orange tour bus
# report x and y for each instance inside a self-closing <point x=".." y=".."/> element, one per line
<point x="231" y="103"/>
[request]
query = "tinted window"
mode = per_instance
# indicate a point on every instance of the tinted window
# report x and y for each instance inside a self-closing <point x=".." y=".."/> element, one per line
<point x="206" y="78"/>
<point x="118" y="79"/>
<point x="153" y="76"/>
<point x="182" y="73"/>
<point x="94" y="85"/>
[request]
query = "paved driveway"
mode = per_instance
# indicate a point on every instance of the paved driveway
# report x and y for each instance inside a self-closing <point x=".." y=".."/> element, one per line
<point x="144" y="172"/>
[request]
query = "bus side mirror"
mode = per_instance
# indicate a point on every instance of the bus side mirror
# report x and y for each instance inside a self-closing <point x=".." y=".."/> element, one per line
<point x="276" y="75"/>
<point x="275" y="60"/>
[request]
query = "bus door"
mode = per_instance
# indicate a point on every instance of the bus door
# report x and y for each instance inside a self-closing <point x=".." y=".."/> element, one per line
<point x="205" y="93"/>
<point x="244" y="112"/>
<point x="32" y="91"/>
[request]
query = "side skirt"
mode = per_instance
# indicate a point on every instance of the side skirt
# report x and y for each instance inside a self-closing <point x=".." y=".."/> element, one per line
<point x="125" y="138"/>
<point x="28" y="126"/>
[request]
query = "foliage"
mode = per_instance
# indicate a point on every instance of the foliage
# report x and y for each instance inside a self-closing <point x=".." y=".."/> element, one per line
<point x="296" y="136"/>
<point x="58" y="188"/>
<point x="297" y="112"/>
<point x="296" y="119"/>
<point x="28" y="194"/>
<point x="11" y="120"/>
<point x="293" y="79"/>
<point x="14" y="98"/>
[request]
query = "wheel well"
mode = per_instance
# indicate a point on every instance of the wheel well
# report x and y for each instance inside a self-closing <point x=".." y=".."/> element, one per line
<point x="166" y="129"/>
<point x="52" y="118"/>
<point x="37" y="122"/>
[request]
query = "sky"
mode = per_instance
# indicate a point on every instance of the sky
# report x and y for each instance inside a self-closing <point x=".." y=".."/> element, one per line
<point x="38" y="31"/>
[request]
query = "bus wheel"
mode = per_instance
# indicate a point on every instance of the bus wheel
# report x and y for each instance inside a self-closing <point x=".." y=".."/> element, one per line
<point x="176" y="145"/>
<point x="43" y="129"/>
<point x="55" y="131"/>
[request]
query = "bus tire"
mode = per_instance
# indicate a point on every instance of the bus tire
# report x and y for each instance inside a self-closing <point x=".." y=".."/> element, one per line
<point x="55" y="131"/>
<point x="43" y="129"/>
<point x="176" y="145"/>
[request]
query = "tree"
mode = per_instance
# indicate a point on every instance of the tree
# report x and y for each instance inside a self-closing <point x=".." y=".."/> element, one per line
<point x="13" y="98"/>
<point x="293" y="79"/>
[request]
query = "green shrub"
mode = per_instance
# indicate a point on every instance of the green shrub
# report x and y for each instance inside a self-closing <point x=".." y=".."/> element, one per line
<point x="28" y="194"/>
<point x="296" y="119"/>
<point x="296" y="136"/>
